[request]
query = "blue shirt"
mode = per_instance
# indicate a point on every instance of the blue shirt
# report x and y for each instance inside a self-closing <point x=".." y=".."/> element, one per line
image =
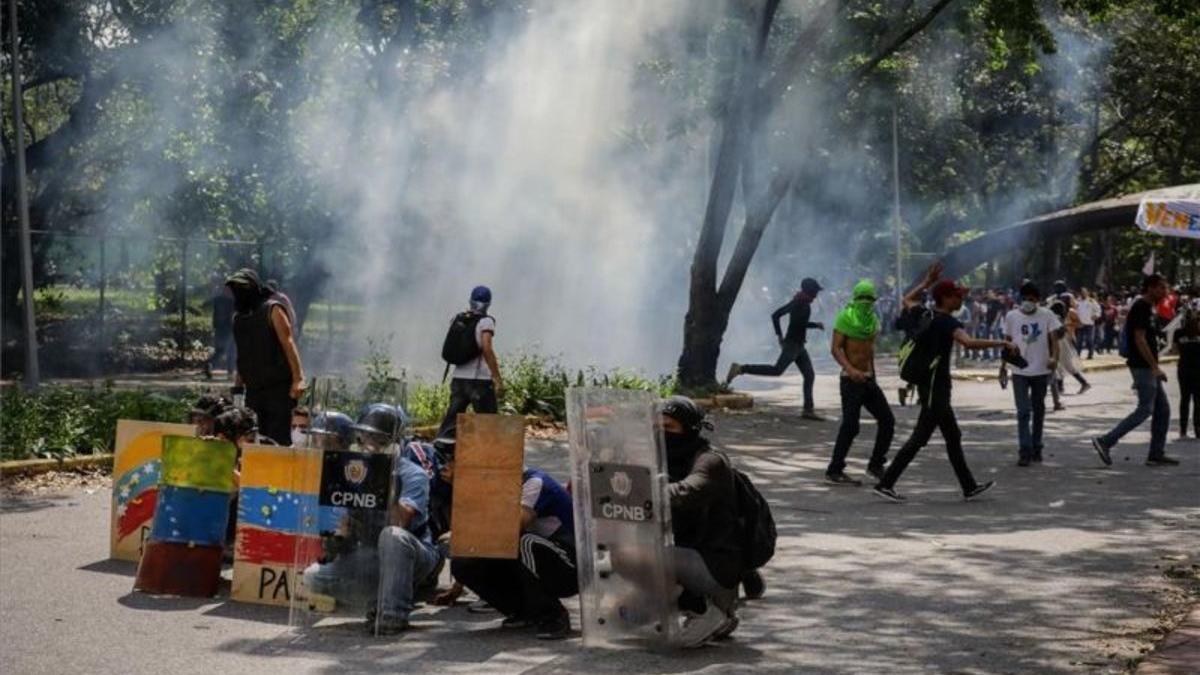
<point x="412" y="487"/>
<point x="550" y="503"/>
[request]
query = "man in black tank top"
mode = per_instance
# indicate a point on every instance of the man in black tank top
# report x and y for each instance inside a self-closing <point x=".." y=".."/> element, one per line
<point x="268" y="361"/>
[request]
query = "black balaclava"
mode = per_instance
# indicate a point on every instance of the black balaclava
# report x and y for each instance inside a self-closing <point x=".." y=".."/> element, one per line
<point x="248" y="291"/>
<point x="683" y="447"/>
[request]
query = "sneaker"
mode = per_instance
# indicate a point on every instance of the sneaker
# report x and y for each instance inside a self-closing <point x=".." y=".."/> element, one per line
<point x="753" y="585"/>
<point x="1058" y="407"/>
<point x="735" y="369"/>
<point x="515" y="622"/>
<point x="1083" y="389"/>
<point x="555" y="627"/>
<point x="978" y="490"/>
<point x="1102" y="451"/>
<point x="480" y="607"/>
<point x="387" y="627"/>
<point x="1024" y="461"/>
<point x="1162" y="460"/>
<point x="700" y="628"/>
<point x="875" y="472"/>
<point x="1037" y="456"/>
<point x="887" y="493"/>
<point x="811" y="415"/>
<point x="841" y="479"/>
<point x="725" y="630"/>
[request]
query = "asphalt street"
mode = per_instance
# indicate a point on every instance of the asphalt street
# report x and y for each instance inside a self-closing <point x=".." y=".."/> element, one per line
<point x="1065" y="567"/>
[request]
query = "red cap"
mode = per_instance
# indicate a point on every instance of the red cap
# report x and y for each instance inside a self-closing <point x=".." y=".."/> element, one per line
<point x="947" y="287"/>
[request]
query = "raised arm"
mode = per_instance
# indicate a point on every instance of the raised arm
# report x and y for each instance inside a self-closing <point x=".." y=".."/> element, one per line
<point x="913" y="297"/>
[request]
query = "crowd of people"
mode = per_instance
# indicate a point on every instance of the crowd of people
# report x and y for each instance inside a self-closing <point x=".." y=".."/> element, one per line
<point x="1040" y="338"/>
<point x="402" y="553"/>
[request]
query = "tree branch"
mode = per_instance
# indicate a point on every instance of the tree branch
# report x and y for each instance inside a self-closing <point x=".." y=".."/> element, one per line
<point x="757" y="219"/>
<point x="894" y="45"/>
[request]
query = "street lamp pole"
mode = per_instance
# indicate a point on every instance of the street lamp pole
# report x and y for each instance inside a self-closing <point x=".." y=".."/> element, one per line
<point x="896" y="199"/>
<point x="32" y="376"/>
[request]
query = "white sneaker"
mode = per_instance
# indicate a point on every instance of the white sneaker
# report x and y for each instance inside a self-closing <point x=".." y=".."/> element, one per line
<point x="700" y="628"/>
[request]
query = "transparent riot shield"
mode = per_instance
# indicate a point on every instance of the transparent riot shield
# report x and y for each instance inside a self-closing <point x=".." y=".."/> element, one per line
<point x="336" y="551"/>
<point x="622" y="519"/>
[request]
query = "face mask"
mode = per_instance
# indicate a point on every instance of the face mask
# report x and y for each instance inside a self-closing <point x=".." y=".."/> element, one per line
<point x="1028" y="306"/>
<point x="299" y="438"/>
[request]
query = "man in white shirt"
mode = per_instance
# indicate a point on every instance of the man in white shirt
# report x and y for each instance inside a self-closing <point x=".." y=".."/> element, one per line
<point x="1032" y="328"/>
<point x="1089" y="311"/>
<point x="477" y="383"/>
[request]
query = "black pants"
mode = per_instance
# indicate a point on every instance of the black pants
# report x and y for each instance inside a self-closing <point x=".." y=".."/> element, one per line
<point x="273" y="407"/>
<point x="529" y="586"/>
<point x="936" y="413"/>
<point x="479" y="395"/>
<point x="790" y="352"/>
<point x="1189" y="398"/>
<point x="855" y="397"/>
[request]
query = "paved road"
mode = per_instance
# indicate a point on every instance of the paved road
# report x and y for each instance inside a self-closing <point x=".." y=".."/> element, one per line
<point x="1067" y="567"/>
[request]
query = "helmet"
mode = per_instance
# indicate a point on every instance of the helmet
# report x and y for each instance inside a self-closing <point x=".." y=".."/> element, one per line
<point x="334" y="423"/>
<point x="687" y="412"/>
<point x="383" y="419"/>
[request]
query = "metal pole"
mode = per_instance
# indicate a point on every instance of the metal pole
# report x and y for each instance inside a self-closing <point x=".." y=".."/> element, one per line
<point x="896" y="199"/>
<point x="32" y="376"/>
<point x="103" y="283"/>
<point x="183" y="300"/>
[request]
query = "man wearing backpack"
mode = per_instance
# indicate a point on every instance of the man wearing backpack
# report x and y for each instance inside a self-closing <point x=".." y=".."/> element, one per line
<point x="928" y="366"/>
<point x="791" y="345"/>
<point x="854" y="332"/>
<point x="468" y="347"/>
<point x="707" y="555"/>
<point x="1139" y="345"/>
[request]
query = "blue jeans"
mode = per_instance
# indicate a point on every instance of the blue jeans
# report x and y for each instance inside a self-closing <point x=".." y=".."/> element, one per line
<point x="1086" y="338"/>
<point x="355" y="578"/>
<point x="1152" y="401"/>
<point x="1029" y="391"/>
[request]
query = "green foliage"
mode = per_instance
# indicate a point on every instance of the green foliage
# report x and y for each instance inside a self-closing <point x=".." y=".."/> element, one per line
<point x="59" y="421"/>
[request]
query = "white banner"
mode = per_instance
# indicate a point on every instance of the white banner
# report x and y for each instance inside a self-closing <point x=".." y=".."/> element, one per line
<point x="1170" y="217"/>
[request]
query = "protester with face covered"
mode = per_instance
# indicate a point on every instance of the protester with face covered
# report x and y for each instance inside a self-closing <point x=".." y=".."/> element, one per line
<point x="268" y="360"/>
<point x="854" y="333"/>
<point x="205" y="411"/>
<point x="707" y="555"/>
<point x="1034" y="330"/>
<point x="791" y="344"/>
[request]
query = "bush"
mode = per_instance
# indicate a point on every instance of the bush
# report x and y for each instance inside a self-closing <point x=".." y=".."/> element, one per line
<point x="60" y="421"/>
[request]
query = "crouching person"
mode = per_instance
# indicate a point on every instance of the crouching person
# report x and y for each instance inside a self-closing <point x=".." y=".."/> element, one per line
<point x="404" y="556"/>
<point x="707" y="554"/>
<point x="528" y="591"/>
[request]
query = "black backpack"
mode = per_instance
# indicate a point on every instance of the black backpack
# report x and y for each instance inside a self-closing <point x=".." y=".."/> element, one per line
<point x="917" y="357"/>
<point x="460" y="345"/>
<point x="757" y="525"/>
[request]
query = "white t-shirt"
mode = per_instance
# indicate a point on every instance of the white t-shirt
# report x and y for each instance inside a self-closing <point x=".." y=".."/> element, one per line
<point x="477" y="368"/>
<point x="1031" y="334"/>
<point x="1087" y="311"/>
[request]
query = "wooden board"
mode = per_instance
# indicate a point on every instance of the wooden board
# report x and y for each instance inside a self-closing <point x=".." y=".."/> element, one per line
<point x="169" y="568"/>
<point x="136" y="468"/>
<point x="278" y="490"/>
<point x="485" y="520"/>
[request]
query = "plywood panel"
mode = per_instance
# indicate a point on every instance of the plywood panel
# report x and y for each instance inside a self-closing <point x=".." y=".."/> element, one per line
<point x="278" y="487"/>
<point x="136" y="469"/>
<point x="485" y="521"/>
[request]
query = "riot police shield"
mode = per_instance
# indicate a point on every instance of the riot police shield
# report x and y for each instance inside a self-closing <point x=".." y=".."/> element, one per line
<point x="341" y="511"/>
<point x="622" y="518"/>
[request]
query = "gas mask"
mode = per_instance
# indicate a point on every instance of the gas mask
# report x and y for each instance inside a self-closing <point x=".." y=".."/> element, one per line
<point x="299" y="437"/>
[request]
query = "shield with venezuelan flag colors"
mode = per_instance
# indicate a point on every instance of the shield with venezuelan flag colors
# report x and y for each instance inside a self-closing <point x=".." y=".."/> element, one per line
<point x="136" y="469"/>
<point x="278" y="486"/>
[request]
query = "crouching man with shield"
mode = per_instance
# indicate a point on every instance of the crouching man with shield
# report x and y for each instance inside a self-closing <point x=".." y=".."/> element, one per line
<point x="378" y="557"/>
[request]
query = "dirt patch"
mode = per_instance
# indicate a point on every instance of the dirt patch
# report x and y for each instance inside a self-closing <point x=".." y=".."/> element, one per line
<point x="58" y="482"/>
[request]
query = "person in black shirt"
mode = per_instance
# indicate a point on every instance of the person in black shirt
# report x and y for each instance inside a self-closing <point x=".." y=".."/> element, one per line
<point x="943" y="331"/>
<point x="1187" y="370"/>
<point x="268" y="361"/>
<point x="792" y="349"/>
<point x="1140" y="337"/>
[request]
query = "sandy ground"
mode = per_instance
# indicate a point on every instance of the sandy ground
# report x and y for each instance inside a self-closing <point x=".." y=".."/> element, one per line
<point x="1066" y="567"/>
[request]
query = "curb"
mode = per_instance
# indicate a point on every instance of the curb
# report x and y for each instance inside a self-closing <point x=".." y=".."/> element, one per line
<point x="1178" y="652"/>
<point x="31" y="467"/>
<point x="992" y="374"/>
